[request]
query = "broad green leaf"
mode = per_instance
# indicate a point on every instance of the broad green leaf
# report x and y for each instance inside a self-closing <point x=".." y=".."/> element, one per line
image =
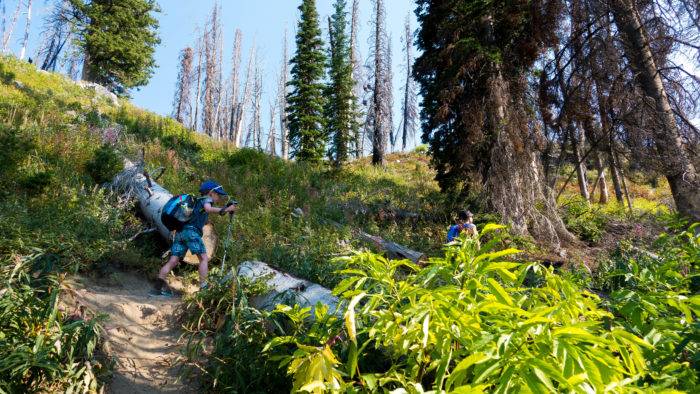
<point x="468" y="389"/>
<point x="350" y="317"/>
<point x="576" y="333"/>
<point x="499" y="292"/>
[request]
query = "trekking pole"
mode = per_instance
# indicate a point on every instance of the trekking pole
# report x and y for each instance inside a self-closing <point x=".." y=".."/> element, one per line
<point x="227" y="241"/>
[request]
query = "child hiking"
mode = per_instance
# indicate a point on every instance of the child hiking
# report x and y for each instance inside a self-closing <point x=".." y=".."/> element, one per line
<point x="465" y="221"/>
<point x="189" y="237"/>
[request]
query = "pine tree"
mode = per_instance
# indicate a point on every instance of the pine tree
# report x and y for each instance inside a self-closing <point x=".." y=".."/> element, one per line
<point x="473" y="78"/>
<point x="307" y="136"/>
<point x="118" y="39"/>
<point x="340" y="117"/>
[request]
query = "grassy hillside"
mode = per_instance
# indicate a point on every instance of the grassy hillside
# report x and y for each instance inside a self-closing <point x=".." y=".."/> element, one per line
<point x="60" y="142"/>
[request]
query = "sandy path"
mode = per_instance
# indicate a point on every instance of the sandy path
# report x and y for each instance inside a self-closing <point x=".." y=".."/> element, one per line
<point x="141" y="335"/>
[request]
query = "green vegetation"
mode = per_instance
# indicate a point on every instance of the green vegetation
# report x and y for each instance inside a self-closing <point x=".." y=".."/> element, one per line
<point x="471" y="321"/>
<point x="470" y="318"/>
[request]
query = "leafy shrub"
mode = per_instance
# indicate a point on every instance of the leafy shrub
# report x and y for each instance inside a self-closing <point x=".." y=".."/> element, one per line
<point x="421" y="149"/>
<point x="38" y="182"/>
<point x="240" y="333"/>
<point x="105" y="164"/>
<point x="584" y="219"/>
<point x="651" y="294"/>
<point x="14" y="148"/>
<point x="467" y="322"/>
<point x="41" y="349"/>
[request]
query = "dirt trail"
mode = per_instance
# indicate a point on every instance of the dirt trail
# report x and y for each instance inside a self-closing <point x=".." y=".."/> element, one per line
<point x="141" y="335"/>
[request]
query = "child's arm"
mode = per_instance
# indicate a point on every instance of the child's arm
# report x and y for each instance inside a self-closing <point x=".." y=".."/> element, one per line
<point x="208" y="208"/>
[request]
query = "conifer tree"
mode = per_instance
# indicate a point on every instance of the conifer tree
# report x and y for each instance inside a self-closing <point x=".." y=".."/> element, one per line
<point x="118" y="39"/>
<point x="473" y="78"/>
<point x="341" y="124"/>
<point x="305" y="101"/>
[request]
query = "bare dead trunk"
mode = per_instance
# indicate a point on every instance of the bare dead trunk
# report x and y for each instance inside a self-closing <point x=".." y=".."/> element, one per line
<point x="676" y="164"/>
<point x="195" y="120"/>
<point x="8" y="34"/>
<point x="23" y="51"/>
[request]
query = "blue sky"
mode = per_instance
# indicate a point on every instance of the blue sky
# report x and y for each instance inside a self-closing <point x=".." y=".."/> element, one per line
<point x="261" y="20"/>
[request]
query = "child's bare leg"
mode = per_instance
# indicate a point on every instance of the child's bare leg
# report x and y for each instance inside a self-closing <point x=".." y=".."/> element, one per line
<point x="172" y="262"/>
<point x="203" y="268"/>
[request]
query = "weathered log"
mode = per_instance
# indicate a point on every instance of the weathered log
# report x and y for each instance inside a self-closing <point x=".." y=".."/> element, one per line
<point x="152" y="198"/>
<point x="394" y="249"/>
<point x="285" y="289"/>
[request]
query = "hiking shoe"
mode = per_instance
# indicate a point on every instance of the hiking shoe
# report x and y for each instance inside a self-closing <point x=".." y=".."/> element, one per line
<point x="165" y="292"/>
<point x="205" y="286"/>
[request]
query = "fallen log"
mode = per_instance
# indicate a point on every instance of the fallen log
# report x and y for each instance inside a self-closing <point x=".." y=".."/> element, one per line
<point x="395" y="250"/>
<point x="285" y="289"/>
<point x="133" y="180"/>
<point x="392" y="248"/>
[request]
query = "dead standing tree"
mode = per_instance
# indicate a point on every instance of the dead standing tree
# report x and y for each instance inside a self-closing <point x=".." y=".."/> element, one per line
<point x="378" y="116"/>
<point x="25" y="40"/>
<point x="200" y="55"/>
<point x="211" y="99"/>
<point x="409" y="108"/>
<point x="181" y="101"/>
<point x="244" y="100"/>
<point x="676" y="164"/>
<point x="234" y="81"/>
<point x="282" y="99"/>
<point x="57" y="34"/>
<point x="7" y="33"/>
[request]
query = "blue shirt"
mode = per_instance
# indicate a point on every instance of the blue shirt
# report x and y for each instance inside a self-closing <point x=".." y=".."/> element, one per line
<point x="456" y="229"/>
<point x="200" y="217"/>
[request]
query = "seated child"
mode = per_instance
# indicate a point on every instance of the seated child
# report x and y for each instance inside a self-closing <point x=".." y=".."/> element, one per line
<point x="465" y="221"/>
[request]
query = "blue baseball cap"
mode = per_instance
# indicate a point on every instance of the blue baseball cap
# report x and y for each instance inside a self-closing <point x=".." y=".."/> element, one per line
<point x="209" y="186"/>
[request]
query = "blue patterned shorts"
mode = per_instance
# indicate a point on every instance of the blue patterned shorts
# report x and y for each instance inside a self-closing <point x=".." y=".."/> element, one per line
<point x="186" y="239"/>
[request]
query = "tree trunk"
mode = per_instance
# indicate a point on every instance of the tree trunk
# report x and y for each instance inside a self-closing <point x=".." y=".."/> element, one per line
<point x="8" y="33"/>
<point x="23" y="51"/>
<point x="579" y="162"/>
<point x="602" y="183"/>
<point x="615" y="173"/>
<point x="279" y="286"/>
<point x="515" y="182"/>
<point x="676" y="164"/>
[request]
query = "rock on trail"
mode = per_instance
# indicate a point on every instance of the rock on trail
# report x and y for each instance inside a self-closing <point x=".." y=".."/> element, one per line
<point x="141" y="334"/>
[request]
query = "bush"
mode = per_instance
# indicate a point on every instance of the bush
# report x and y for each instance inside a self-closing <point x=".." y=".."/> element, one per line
<point x="472" y="322"/>
<point x="584" y="219"/>
<point x="37" y="183"/>
<point x="41" y="349"/>
<point x="652" y="295"/>
<point x="105" y="164"/>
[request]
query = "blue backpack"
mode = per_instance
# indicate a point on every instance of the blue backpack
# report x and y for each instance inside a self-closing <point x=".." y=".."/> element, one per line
<point x="177" y="212"/>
